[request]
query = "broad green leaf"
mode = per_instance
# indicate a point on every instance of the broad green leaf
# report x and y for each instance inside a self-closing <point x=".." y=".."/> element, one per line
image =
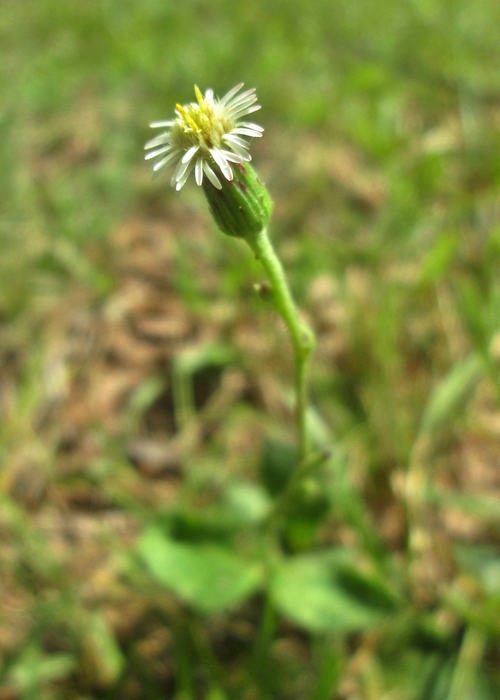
<point x="278" y="462"/>
<point x="309" y="590"/>
<point x="248" y="501"/>
<point x="242" y="505"/>
<point x="207" y="576"/>
<point x="309" y="512"/>
<point x="368" y="588"/>
<point x="215" y="524"/>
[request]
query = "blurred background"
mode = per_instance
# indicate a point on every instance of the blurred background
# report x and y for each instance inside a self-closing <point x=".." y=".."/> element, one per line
<point x="140" y="376"/>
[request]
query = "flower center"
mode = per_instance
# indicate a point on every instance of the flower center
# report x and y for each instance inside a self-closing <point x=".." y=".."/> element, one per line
<point x="200" y="124"/>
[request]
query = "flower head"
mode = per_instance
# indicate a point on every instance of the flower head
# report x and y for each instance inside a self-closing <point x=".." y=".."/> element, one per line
<point x="206" y="136"/>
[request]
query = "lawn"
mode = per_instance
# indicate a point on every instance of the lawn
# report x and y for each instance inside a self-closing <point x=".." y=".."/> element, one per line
<point x="148" y="544"/>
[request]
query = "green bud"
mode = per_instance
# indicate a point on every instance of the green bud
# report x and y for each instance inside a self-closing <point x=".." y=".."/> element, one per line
<point x="243" y="207"/>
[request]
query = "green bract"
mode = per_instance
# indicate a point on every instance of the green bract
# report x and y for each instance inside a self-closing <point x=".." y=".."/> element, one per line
<point x="242" y="207"/>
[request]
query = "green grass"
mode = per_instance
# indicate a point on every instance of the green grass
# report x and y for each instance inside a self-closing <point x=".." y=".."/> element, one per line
<point x="145" y="392"/>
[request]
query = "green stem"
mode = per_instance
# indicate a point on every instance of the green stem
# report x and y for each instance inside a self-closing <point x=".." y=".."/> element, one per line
<point x="302" y="337"/>
<point x="286" y="499"/>
<point x="262" y="660"/>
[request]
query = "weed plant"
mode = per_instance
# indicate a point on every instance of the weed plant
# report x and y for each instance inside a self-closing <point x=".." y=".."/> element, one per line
<point x="148" y="547"/>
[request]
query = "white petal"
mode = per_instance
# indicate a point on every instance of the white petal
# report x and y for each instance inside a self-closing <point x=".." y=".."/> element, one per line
<point x="222" y="163"/>
<point x="244" y="156"/>
<point x="165" y="161"/>
<point x="158" y="141"/>
<point x="155" y="125"/>
<point x="158" y="152"/>
<point x="242" y="101"/>
<point x="248" y="94"/>
<point x="224" y="100"/>
<point x="239" y="111"/>
<point x="240" y="152"/>
<point x="237" y="148"/>
<point x="231" y="138"/>
<point x="249" y="125"/>
<point x="189" y="154"/>
<point x="242" y="111"/>
<point x="211" y="175"/>
<point x="198" y="171"/>
<point x="181" y="169"/>
<point x="246" y="132"/>
<point x="181" y="181"/>
<point x="233" y="157"/>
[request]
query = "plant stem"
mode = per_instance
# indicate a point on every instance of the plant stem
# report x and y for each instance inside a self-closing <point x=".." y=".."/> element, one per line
<point x="302" y="337"/>
<point x="262" y="660"/>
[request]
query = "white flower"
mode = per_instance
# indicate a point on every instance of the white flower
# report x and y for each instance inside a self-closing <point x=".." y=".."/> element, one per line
<point x="206" y="136"/>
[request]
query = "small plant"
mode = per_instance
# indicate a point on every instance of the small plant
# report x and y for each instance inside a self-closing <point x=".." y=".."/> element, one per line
<point x="321" y="591"/>
<point x="207" y="138"/>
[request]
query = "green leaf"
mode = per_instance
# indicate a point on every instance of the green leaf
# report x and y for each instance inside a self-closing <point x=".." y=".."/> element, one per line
<point x="208" y="577"/>
<point x="194" y="359"/>
<point x="309" y="590"/>
<point x="35" y="668"/>
<point x="473" y="302"/>
<point x="450" y="395"/>
<point x="103" y="650"/>
<point x="208" y="525"/>
<point x="309" y="512"/>
<point x="484" y="507"/>
<point x="249" y="502"/>
<point x="483" y="561"/>
<point x="367" y="588"/>
<point x="242" y="505"/>
<point x="278" y="462"/>
<point x="440" y="258"/>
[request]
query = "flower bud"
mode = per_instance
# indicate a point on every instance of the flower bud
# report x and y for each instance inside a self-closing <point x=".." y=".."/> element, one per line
<point x="242" y="207"/>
